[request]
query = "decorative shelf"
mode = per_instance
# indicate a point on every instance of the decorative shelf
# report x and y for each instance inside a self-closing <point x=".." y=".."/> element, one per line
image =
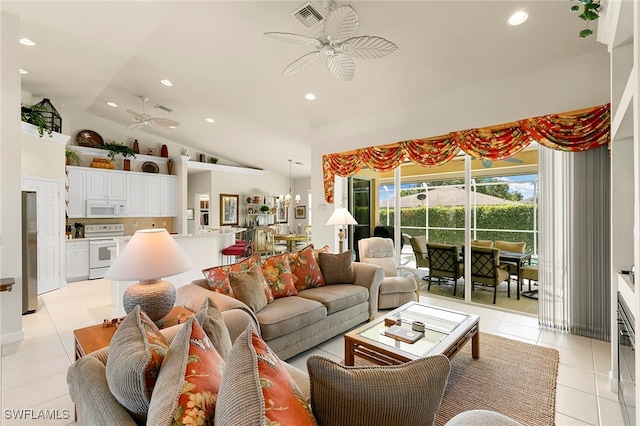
<point x="224" y="168"/>
<point x="103" y="153"/>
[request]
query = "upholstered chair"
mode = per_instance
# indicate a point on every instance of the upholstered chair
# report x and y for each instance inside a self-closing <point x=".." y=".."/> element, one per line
<point x="530" y="273"/>
<point x="444" y="262"/>
<point x="482" y="243"/>
<point x="517" y="247"/>
<point x="485" y="268"/>
<point x="395" y="289"/>
<point x="419" y="245"/>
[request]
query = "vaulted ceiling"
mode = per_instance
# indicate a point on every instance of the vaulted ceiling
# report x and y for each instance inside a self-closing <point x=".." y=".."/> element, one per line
<point x="222" y="66"/>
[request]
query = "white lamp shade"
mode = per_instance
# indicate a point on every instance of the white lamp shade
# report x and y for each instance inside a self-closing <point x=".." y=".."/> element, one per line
<point x="341" y="216"/>
<point x="151" y="254"/>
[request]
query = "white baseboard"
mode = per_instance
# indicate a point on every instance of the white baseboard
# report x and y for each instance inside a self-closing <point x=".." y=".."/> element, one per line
<point x="16" y="336"/>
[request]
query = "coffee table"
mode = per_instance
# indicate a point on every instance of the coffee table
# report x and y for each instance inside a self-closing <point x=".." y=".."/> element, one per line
<point x="446" y="332"/>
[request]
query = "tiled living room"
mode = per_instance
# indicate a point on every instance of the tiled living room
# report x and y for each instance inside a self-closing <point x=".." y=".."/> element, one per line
<point x="34" y="370"/>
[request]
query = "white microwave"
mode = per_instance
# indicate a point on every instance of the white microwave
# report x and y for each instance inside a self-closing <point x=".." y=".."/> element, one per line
<point x="106" y="208"/>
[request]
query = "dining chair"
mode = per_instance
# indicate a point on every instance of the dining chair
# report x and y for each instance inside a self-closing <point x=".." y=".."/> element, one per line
<point x="485" y="268"/>
<point x="278" y="246"/>
<point x="530" y="273"/>
<point x="444" y="262"/>
<point x="419" y="245"/>
<point x="303" y="244"/>
<point x="482" y="243"/>
<point x="395" y="289"/>
<point x="516" y="247"/>
<point x="263" y="241"/>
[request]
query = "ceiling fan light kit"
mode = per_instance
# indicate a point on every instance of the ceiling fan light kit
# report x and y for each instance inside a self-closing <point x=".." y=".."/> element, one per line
<point x="337" y="44"/>
<point x="156" y="123"/>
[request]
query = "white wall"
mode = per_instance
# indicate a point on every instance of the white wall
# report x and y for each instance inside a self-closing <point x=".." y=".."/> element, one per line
<point x="571" y="84"/>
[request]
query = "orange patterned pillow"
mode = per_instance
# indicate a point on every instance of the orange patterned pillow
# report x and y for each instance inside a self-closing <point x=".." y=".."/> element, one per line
<point x="218" y="276"/>
<point x="305" y="270"/>
<point x="189" y="380"/>
<point x="137" y="353"/>
<point x="277" y="272"/>
<point x="316" y="252"/>
<point x="269" y="394"/>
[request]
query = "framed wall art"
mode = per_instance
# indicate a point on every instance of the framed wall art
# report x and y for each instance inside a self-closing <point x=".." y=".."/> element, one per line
<point x="282" y="214"/>
<point x="189" y="214"/>
<point x="301" y="212"/>
<point x="228" y="209"/>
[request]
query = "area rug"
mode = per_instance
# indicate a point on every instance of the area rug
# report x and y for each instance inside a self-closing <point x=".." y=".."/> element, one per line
<point x="513" y="378"/>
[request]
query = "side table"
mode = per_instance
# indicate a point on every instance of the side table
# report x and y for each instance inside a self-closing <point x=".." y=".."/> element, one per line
<point x="90" y="339"/>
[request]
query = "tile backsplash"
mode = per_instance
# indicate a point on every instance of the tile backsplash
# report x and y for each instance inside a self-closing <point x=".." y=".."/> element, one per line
<point x="131" y="224"/>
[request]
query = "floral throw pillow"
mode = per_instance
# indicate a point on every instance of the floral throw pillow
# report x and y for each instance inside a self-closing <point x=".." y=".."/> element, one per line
<point x="218" y="276"/>
<point x="305" y="270"/>
<point x="269" y="395"/>
<point x="187" y="389"/>
<point x="277" y="272"/>
<point x="137" y="351"/>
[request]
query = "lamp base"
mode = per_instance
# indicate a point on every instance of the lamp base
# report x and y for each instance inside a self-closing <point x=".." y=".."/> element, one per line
<point x="156" y="299"/>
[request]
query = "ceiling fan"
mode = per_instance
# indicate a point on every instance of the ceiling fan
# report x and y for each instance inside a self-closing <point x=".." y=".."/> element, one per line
<point x="336" y="43"/>
<point x="156" y="123"/>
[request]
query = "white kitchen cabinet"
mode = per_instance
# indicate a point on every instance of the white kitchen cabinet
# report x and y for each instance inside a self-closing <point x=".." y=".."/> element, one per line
<point x="152" y="195"/>
<point x="77" y="260"/>
<point x="169" y="195"/>
<point x="135" y="199"/>
<point x="76" y="205"/>
<point x="106" y="185"/>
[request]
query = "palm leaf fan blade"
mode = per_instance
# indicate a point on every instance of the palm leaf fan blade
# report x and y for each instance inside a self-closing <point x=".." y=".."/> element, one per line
<point x="369" y="47"/>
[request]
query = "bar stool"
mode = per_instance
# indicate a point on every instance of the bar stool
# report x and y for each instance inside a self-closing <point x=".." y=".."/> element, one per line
<point x="242" y="248"/>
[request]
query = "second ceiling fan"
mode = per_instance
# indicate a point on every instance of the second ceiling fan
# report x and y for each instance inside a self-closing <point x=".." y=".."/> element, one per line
<point x="143" y="119"/>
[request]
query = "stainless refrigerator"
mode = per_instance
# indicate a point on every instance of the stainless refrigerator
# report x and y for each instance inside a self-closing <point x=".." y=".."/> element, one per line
<point x="29" y="252"/>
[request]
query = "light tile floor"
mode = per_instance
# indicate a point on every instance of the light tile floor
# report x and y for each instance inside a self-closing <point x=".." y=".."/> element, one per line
<point x="34" y="370"/>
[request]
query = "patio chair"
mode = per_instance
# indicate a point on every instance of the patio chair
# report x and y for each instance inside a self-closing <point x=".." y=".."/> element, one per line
<point x="482" y="243"/>
<point x="530" y="273"/>
<point x="419" y="245"/>
<point x="485" y="268"/>
<point x="395" y="289"/>
<point x="516" y="247"/>
<point x="444" y="262"/>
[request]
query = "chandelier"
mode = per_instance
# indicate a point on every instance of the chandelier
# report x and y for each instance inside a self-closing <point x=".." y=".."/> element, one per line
<point x="286" y="200"/>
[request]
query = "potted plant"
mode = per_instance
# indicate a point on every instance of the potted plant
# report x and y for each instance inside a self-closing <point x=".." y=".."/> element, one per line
<point x="72" y="157"/>
<point x="213" y="160"/>
<point x="115" y="148"/>
<point x="265" y="209"/>
<point x="32" y="114"/>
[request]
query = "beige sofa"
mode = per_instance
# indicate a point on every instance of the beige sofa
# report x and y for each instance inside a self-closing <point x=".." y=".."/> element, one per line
<point x="293" y="324"/>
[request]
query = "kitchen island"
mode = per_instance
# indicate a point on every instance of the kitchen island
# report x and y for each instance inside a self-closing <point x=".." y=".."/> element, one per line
<point x="204" y="250"/>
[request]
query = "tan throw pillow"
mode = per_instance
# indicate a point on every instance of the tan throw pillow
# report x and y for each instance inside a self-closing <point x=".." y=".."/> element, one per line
<point x="136" y="353"/>
<point x="189" y="380"/>
<point x="408" y="394"/>
<point x="210" y="318"/>
<point x="337" y="268"/>
<point x="257" y="388"/>
<point x="247" y="287"/>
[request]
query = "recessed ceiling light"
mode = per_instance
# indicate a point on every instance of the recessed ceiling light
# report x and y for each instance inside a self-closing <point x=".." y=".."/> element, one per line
<point x="518" y="18"/>
<point x="112" y="104"/>
<point x="210" y="120"/>
<point x="25" y="41"/>
<point x="310" y="97"/>
<point x="172" y="127"/>
<point x="23" y="71"/>
<point x="166" y="82"/>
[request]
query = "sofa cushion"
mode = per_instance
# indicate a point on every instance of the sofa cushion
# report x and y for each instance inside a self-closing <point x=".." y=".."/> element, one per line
<point x="337" y="297"/>
<point x="289" y="314"/>
<point x="255" y="376"/>
<point x="137" y="351"/>
<point x="277" y="272"/>
<point x="218" y="276"/>
<point x="210" y="318"/>
<point x="380" y="395"/>
<point x="250" y="287"/>
<point x="305" y="269"/>
<point x="317" y="251"/>
<point x="189" y="380"/>
<point x="337" y="268"/>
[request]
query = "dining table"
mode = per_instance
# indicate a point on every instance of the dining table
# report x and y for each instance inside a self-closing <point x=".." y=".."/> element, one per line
<point x="290" y="239"/>
<point x="517" y="259"/>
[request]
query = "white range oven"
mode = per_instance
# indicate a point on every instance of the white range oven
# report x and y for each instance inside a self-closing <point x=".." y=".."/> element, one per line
<point x="100" y="240"/>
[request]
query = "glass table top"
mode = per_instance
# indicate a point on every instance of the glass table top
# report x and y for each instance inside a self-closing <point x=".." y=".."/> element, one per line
<point x="438" y="323"/>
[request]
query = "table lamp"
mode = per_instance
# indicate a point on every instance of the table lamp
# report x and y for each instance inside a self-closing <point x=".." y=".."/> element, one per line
<point x="341" y="216"/>
<point x="148" y="256"/>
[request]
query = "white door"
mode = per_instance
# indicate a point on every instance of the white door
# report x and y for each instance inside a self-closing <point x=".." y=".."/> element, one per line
<point x="49" y="236"/>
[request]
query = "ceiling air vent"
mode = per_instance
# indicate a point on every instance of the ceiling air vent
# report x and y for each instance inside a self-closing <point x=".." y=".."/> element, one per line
<point x="308" y="15"/>
<point x="163" y="108"/>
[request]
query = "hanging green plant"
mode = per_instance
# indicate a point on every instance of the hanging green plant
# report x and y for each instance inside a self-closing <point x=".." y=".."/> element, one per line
<point x="33" y="114"/>
<point x="589" y="13"/>
<point x="115" y="148"/>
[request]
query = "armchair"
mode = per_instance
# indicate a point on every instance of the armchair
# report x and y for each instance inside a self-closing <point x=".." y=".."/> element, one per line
<point x="419" y="245"/>
<point x="444" y="263"/>
<point x="485" y="268"/>
<point x="395" y="290"/>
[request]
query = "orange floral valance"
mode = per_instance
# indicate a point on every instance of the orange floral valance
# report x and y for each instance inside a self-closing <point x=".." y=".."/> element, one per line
<point x="573" y="131"/>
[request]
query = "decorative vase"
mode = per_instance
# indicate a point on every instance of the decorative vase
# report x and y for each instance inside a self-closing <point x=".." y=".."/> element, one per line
<point x="136" y="147"/>
<point x="127" y="164"/>
<point x="170" y="166"/>
<point x="164" y="151"/>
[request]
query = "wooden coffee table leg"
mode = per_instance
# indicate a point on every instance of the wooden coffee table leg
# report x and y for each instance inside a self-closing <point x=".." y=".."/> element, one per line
<point x="475" y="345"/>
<point x="348" y="351"/>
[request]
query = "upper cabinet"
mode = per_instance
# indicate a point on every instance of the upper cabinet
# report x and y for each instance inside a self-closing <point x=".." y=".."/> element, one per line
<point x="106" y="185"/>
